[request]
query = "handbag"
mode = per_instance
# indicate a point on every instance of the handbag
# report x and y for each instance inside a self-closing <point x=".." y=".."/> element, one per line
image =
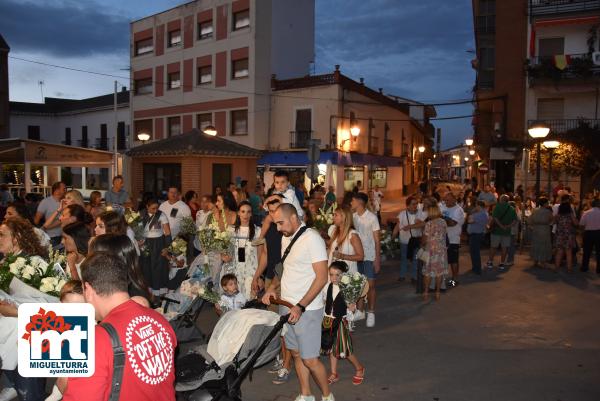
<point x="423" y="255"/>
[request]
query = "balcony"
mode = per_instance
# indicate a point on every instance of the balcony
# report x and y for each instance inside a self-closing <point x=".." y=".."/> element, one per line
<point x="374" y="145"/>
<point x="82" y="143"/>
<point x="101" y="143"/>
<point x="578" y="67"/>
<point x="549" y="7"/>
<point x="485" y="25"/>
<point x="564" y="126"/>
<point x="300" y="139"/>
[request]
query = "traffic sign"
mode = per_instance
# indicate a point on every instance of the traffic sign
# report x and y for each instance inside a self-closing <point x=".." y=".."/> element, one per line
<point x="314" y="150"/>
<point x="312" y="171"/>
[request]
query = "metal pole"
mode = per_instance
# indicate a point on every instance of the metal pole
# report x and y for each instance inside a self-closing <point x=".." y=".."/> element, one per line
<point x="538" y="168"/>
<point x="550" y="171"/>
<point x="115" y="135"/>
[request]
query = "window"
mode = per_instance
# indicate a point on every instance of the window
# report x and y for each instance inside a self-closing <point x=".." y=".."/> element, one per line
<point x="374" y="145"/>
<point x="303" y="129"/>
<point x="487" y="7"/>
<point x="550" y="47"/>
<point x="143" y="127"/>
<point x="487" y="57"/>
<point x="102" y="142"/>
<point x="241" y="20"/>
<point x="174" y="126"/>
<point x="144" y="46"/>
<point x="33" y="132"/>
<point x="174" y="38"/>
<point x="121" y="143"/>
<point x="205" y="30"/>
<point x="379" y="177"/>
<point x="84" y="137"/>
<point x="550" y="109"/>
<point x="174" y="80"/>
<point x="203" y="120"/>
<point x="239" y="68"/>
<point x="143" y="86"/>
<point x="239" y="122"/>
<point x="96" y="178"/>
<point x="67" y="136"/>
<point x="204" y="74"/>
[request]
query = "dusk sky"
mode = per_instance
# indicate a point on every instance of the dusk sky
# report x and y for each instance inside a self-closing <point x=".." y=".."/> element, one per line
<point x="418" y="49"/>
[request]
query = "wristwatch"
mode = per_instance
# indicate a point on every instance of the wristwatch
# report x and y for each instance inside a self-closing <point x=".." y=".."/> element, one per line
<point x="302" y="307"/>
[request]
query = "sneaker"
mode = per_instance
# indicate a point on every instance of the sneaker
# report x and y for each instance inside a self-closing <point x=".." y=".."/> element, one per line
<point x="330" y="397"/>
<point x="277" y="366"/>
<point x="502" y="266"/>
<point x="452" y="283"/>
<point x="490" y="265"/>
<point x="305" y="398"/>
<point x="370" y="319"/>
<point x="359" y="315"/>
<point x="283" y="376"/>
<point x="7" y="394"/>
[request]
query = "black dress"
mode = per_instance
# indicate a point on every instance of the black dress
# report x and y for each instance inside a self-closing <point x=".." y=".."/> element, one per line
<point x="155" y="267"/>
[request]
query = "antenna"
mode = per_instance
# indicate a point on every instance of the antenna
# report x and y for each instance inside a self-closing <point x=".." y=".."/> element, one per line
<point x="41" y="84"/>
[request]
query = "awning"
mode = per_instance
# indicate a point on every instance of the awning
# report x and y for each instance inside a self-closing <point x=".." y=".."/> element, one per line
<point x="567" y="21"/>
<point x="300" y="159"/>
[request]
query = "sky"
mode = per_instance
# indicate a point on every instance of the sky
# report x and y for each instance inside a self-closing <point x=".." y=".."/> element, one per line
<point x="418" y="49"/>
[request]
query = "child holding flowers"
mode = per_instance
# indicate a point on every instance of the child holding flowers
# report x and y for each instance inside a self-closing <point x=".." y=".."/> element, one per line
<point x="335" y="339"/>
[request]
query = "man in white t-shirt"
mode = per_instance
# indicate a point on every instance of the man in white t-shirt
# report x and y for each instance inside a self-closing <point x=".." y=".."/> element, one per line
<point x="46" y="209"/>
<point x="367" y="225"/>
<point x="454" y="216"/>
<point x="304" y="276"/>
<point x="175" y="210"/>
<point x="410" y="225"/>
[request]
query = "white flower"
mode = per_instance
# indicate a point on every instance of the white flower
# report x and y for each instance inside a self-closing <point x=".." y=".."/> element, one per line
<point x="28" y="272"/>
<point x="14" y="269"/>
<point x="20" y="262"/>
<point x="356" y="276"/>
<point x="345" y="279"/>
<point x="109" y="208"/>
<point x="46" y="288"/>
<point x="60" y="285"/>
<point x="201" y="291"/>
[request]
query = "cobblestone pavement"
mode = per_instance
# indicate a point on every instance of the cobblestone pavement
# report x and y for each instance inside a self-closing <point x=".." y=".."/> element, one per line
<point x="524" y="334"/>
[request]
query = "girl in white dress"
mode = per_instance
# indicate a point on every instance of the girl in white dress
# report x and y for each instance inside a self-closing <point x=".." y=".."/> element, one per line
<point x="345" y="243"/>
<point x="245" y="260"/>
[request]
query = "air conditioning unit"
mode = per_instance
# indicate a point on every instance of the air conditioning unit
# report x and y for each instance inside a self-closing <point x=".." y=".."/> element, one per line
<point x="596" y="58"/>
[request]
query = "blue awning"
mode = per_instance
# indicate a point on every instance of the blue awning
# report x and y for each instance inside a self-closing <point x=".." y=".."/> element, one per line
<point x="300" y="159"/>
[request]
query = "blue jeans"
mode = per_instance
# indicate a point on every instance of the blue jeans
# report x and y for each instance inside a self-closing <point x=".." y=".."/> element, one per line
<point x="404" y="262"/>
<point x="512" y="249"/>
<point x="475" y="241"/>
<point x="28" y="388"/>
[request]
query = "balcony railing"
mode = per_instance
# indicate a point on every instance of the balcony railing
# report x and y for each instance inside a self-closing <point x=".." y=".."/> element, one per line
<point x="547" y="7"/>
<point x="563" y="126"/>
<point x="485" y="24"/>
<point x="82" y="143"/>
<point x="101" y="143"/>
<point x="300" y="139"/>
<point x="578" y="66"/>
<point x="374" y="145"/>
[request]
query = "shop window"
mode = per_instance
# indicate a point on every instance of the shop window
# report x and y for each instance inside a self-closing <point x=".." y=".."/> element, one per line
<point x="379" y="177"/>
<point x="351" y="177"/>
<point x="96" y="178"/>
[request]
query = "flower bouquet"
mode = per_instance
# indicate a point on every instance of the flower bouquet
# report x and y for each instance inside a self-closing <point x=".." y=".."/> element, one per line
<point x="187" y="227"/>
<point x="134" y="221"/>
<point x="197" y="289"/>
<point x="352" y="286"/>
<point x="390" y="247"/>
<point x="30" y="277"/>
<point x="324" y="218"/>
<point x="178" y="247"/>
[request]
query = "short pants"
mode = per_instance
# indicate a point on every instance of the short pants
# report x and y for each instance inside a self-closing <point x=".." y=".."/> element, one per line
<point x="500" y="240"/>
<point x="305" y="335"/>
<point x="453" y="253"/>
<point x="366" y="267"/>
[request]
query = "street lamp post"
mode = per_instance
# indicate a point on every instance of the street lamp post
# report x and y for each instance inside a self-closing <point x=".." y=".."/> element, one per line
<point x="210" y="130"/>
<point x="421" y="150"/>
<point x="143" y="136"/>
<point x="550" y="145"/>
<point x="538" y="131"/>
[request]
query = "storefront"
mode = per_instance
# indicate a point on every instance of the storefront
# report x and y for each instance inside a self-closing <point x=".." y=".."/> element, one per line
<point x="36" y="165"/>
<point x="344" y="170"/>
<point x="191" y="161"/>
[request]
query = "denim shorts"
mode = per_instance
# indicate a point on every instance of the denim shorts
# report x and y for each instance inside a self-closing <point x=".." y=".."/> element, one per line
<point x="366" y="267"/>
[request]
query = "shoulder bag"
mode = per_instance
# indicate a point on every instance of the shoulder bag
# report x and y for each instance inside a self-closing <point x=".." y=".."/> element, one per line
<point x="279" y="266"/>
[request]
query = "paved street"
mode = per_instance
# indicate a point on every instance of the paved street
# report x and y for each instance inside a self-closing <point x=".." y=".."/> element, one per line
<point x="522" y="335"/>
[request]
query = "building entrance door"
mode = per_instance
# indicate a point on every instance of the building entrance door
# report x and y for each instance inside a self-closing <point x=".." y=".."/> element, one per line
<point x="221" y="175"/>
<point x="159" y="177"/>
<point x="505" y="175"/>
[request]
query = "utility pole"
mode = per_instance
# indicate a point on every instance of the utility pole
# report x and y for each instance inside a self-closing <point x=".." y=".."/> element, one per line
<point x="115" y="136"/>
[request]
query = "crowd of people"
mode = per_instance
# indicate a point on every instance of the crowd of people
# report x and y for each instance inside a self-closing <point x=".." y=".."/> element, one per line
<point x="263" y="227"/>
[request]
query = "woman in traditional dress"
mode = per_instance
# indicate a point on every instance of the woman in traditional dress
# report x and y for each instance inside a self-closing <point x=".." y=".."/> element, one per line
<point x="157" y="236"/>
<point x="435" y="267"/>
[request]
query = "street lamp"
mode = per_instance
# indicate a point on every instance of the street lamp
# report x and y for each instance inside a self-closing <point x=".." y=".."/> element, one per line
<point x="550" y="145"/>
<point x="469" y="142"/>
<point x="472" y="152"/>
<point x="467" y="167"/>
<point x="538" y="131"/>
<point x="143" y="136"/>
<point x="210" y="130"/>
<point x="355" y="131"/>
<point x="421" y="149"/>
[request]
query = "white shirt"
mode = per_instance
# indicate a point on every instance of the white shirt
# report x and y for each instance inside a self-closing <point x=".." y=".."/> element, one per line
<point x="156" y="231"/>
<point x="234" y="302"/>
<point x="179" y="210"/>
<point x="591" y="219"/>
<point x="457" y="214"/>
<point x="377" y="195"/>
<point x="346" y="248"/>
<point x="298" y="273"/>
<point x="289" y="196"/>
<point x="366" y="225"/>
<point x="406" y="218"/>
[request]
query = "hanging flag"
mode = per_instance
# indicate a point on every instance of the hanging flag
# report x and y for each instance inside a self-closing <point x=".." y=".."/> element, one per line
<point x="560" y="61"/>
<point x="532" y="43"/>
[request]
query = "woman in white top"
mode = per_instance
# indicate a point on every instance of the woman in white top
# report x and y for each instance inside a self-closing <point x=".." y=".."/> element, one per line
<point x="244" y="261"/>
<point x="345" y="243"/>
<point x="157" y="236"/>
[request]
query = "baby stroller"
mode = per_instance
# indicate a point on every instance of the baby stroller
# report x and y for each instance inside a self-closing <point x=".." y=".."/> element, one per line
<point x="216" y="371"/>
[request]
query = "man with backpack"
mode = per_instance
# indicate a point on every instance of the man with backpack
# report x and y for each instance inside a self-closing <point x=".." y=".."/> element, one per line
<point x="135" y="346"/>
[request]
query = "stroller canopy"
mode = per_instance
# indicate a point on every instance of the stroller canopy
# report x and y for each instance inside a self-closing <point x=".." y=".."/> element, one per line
<point x="232" y="330"/>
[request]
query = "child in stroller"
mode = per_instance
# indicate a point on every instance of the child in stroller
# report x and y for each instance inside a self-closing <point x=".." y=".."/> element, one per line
<point x="242" y="340"/>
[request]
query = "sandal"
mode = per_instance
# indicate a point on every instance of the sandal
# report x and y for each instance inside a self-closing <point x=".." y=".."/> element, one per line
<point x="333" y="377"/>
<point x="356" y="379"/>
